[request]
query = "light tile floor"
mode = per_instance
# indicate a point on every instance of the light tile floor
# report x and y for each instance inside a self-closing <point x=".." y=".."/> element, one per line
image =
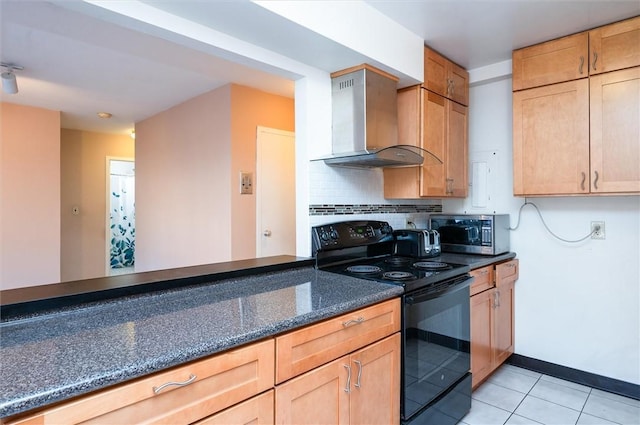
<point x="515" y="396"/>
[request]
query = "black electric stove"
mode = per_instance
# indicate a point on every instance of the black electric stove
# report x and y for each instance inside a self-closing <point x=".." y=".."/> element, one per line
<point x="435" y="367"/>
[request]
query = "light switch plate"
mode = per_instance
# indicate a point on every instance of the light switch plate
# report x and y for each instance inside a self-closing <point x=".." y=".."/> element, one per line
<point x="246" y="183"/>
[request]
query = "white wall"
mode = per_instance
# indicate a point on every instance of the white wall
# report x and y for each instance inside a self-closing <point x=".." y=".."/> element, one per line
<point x="577" y="305"/>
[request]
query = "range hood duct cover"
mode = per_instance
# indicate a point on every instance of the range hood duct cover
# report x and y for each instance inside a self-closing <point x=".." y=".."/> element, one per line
<point x="365" y="122"/>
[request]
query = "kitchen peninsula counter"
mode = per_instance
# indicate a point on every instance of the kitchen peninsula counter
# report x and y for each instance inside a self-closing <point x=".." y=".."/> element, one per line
<point x="84" y="344"/>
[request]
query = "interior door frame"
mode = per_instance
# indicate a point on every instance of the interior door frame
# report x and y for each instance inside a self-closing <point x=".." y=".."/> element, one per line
<point x="259" y="192"/>
<point x="107" y="209"/>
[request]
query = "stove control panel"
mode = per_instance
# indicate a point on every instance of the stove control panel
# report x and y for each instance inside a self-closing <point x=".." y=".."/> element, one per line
<point x="347" y="234"/>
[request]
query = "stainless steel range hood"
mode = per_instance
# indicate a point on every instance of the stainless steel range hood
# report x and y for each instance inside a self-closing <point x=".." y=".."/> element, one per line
<point x="365" y="122"/>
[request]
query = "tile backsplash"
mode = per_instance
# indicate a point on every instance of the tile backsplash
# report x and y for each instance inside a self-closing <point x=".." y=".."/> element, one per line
<point x="341" y="194"/>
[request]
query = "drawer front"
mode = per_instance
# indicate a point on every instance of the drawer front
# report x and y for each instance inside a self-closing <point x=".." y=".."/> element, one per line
<point x="507" y="271"/>
<point x="482" y="279"/>
<point x="256" y="410"/>
<point x="307" y="348"/>
<point x="220" y="381"/>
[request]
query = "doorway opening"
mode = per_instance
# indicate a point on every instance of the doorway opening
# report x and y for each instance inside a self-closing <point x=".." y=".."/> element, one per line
<point x="121" y="225"/>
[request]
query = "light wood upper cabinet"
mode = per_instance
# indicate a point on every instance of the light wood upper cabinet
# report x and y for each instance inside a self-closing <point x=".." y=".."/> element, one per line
<point x="578" y="134"/>
<point x="445" y="78"/>
<point x="615" y="131"/>
<point x="441" y="127"/>
<point x="552" y="62"/>
<point x="551" y="139"/>
<point x="604" y="49"/>
<point x="616" y="46"/>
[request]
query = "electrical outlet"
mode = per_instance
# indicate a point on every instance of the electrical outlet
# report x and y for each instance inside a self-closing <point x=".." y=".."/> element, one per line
<point x="597" y="230"/>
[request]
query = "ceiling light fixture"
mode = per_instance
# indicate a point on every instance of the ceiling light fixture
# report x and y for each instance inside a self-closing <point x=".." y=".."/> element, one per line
<point x="9" y="82"/>
<point x="105" y="115"/>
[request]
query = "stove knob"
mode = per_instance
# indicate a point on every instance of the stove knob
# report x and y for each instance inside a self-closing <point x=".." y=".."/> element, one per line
<point x="385" y="229"/>
<point x="334" y="234"/>
<point x="324" y="236"/>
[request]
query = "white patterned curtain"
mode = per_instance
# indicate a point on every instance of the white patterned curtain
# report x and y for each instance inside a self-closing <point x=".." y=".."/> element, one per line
<point x="123" y="224"/>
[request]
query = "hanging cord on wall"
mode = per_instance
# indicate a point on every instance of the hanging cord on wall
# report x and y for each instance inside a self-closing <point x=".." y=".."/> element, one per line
<point x="545" y="224"/>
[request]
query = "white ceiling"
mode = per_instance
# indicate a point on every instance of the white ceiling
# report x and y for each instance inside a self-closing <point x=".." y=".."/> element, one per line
<point x="82" y="62"/>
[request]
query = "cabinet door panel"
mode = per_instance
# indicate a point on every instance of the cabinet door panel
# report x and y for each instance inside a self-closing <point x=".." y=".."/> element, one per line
<point x="615" y="46"/>
<point x="255" y="411"/>
<point x="481" y="330"/>
<point x="459" y="91"/>
<point x="376" y="371"/>
<point x="435" y="72"/>
<point x="434" y="140"/>
<point x="551" y="139"/>
<point x="615" y="131"/>
<point x="503" y="343"/>
<point x="457" y="157"/>
<point x="555" y="61"/>
<point x="317" y="397"/>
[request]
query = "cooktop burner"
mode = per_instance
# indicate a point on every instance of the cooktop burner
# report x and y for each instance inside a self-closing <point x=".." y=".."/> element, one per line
<point x="399" y="276"/>
<point x="431" y="265"/>
<point x="364" y="269"/>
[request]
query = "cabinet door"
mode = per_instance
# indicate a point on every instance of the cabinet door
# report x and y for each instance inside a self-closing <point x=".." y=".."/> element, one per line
<point x="503" y="343"/>
<point x="317" y="397"/>
<point x="551" y="139"/>
<point x="615" y="46"/>
<point x="435" y="72"/>
<point x="457" y="156"/>
<point x="434" y="139"/>
<point x="375" y="383"/>
<point x="481" y="331"/>
<point x="256" y="410"/>
<point x="555" y="61"/>
<point x="615" y="131"/>
<point x="458" y="84"/>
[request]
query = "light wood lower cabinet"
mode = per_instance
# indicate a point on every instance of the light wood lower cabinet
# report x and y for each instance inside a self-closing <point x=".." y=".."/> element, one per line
<point x="256" y="410"/>
<point x="211" y="385"/>
<point x="492" y="321"/>
<point x="360" y="388"/>
<point x="358" y="352"/>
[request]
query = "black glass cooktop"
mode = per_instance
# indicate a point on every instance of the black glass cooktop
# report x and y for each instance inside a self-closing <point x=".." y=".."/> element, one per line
<point x="412" y="273"/>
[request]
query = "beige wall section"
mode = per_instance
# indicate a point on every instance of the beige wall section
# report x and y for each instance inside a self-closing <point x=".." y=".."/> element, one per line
<point x="182" y="184"/>
<point x="84" y="184"/>
<point x="188" y="161"/>
<point x="251" y="108"/>
<point x="30" y="196"/>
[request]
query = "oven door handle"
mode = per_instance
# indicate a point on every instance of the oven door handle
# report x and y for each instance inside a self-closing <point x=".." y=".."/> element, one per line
<point x="425" y="295"/>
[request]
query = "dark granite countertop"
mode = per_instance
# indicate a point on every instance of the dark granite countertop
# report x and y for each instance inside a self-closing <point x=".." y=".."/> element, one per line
<point x="474" y="261"/>
<point x="54" y="355"/>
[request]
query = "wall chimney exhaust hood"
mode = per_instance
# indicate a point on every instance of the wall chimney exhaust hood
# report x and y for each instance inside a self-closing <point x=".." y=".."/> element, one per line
<point x="365" y="122"/>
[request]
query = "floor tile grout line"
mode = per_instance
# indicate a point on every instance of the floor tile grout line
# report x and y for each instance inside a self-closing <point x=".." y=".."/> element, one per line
<point x="523" y="398"/>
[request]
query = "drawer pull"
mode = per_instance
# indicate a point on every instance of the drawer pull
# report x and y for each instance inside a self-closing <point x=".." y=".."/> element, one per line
<point x="353" y="321"/>
<point x="192" y="378"/>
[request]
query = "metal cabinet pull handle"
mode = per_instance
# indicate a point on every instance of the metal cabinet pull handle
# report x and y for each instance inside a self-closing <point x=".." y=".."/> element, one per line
<point x="595" y="182"/>
<point x="353" y="321"/>
<point x="584" y="178"/>
<point x="581" y="64"/>
<point x="359" y="373"/>
<point x="595" y="59"/>
<point x="498" y="298"/>
<point x="347" y="389"/>
<point x="192" y="378"/>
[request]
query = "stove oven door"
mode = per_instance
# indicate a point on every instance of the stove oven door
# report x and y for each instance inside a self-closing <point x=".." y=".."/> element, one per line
<point x="436" y="342"/>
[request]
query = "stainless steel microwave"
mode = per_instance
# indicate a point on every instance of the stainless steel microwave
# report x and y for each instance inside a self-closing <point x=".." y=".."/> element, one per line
<point x="472" y="233"/>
